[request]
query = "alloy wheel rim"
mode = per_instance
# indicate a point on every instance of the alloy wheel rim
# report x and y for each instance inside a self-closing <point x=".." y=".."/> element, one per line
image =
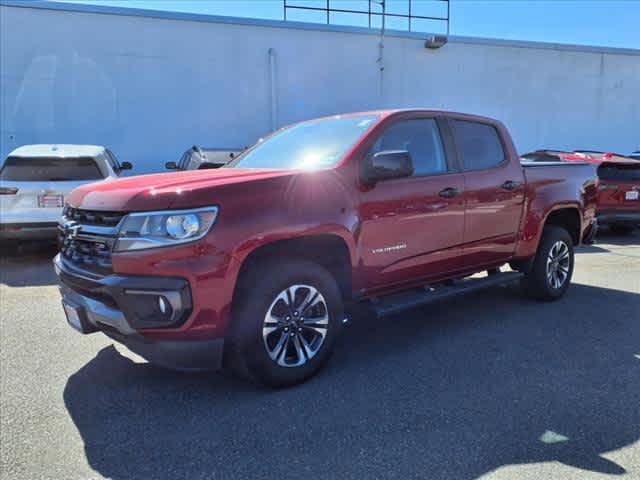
<point x="558" y="264"/>
<point x="295" y="325"/>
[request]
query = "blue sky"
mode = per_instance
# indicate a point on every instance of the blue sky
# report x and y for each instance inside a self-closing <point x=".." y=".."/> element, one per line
<point x="613" y="23"/>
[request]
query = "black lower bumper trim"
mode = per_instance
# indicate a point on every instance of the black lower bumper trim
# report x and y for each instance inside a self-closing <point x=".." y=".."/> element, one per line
<point x="136" y="297"/>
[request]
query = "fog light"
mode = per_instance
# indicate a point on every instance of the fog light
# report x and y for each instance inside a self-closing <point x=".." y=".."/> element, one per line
<point x="155" y="308"/>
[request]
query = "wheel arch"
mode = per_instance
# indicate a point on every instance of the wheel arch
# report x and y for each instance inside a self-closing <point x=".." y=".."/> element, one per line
<point x="328" y="250"/>
<point x="567" y="217"/>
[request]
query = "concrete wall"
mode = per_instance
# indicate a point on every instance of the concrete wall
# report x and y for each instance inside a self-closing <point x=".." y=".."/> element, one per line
<point x="151" y="85"/>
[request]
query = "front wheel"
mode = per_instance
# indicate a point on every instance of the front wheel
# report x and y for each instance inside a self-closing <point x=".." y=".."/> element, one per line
<point x="287" y="321"/>
<point x="552" y="268"/>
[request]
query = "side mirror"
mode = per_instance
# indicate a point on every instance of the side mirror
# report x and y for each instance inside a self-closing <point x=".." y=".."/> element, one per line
<point x="171" y="166"/>
<point x="126" y="166"/>
<point x="388" y="164"/>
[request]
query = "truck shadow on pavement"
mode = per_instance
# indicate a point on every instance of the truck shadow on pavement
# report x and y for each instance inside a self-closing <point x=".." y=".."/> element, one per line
<point x="450" y="391"/>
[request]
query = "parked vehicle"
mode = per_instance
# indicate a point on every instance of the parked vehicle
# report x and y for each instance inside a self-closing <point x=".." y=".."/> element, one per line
<point x="252" y="265"/>
<point x="619" y="185"/>
<point x="36" y="179"/>
<point x="197" y="158"/>
<point x="635" y="155"/>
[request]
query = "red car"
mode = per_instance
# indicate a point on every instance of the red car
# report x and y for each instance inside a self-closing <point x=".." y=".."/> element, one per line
<point x="619" y="184"/>
<point x="252" y="266"/>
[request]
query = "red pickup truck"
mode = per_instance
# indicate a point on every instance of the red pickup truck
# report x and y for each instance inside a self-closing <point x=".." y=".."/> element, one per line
<point x="618" y="186"/>
<point x="252" y="266"/>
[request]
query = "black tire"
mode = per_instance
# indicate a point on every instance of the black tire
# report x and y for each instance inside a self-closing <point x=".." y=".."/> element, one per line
<point x="248" y="356"/>
<point x="621" y="229"/>
<point x="538" y="283"/>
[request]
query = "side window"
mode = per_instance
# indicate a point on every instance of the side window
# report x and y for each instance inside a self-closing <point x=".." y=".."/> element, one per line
<point x="478" y="145"/>
<point x="421" y="138"/>
<point x="111" y="158"/>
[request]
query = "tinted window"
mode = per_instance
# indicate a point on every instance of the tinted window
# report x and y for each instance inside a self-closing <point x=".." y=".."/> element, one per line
<point x="478" y="145"/>
<point x="50" y="169"/>
<point x="619" y="172"/>
<point x="421" y="139"/>
<point x="113" y="161"/>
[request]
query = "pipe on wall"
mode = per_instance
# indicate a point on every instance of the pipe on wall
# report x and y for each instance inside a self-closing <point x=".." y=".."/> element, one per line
<point x="273" y="93"/>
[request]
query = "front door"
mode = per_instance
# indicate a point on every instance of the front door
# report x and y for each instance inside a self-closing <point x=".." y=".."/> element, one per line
<point x="411" y="228"/>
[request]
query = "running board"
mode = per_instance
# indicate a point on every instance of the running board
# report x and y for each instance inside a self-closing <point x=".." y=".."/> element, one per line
<point x="430" y="293"/>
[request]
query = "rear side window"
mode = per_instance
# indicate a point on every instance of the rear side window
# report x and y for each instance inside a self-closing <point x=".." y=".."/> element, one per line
<point x="421" y="138"/>
<point x="478" y="145"/>
<point x="620" y="172"/>
<point x="52" y="169"/>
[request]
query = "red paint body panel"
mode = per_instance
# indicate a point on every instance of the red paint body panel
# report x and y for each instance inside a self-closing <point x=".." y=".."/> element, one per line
<point x="399" y="233"/>
<point x="568" y="187"/>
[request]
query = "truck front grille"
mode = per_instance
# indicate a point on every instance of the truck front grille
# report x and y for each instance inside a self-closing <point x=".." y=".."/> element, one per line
<point x="93" y="217"/>
<point x="86" y="238"/>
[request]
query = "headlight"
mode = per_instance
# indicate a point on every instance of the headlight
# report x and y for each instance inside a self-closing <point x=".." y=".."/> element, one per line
<point x="161" y="229"/>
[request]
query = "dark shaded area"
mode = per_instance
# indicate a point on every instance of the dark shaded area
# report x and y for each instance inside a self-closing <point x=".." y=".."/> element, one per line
<point x="451" y="391"/>
<point x="605" y="235"/>
<point x="607" y="238"/>
<point x="27" y="263"/>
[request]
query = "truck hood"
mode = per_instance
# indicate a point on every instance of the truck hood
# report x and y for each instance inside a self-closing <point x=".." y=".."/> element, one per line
<point x="164" y="190"/>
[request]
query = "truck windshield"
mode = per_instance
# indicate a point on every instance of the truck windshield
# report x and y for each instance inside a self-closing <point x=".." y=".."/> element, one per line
<point x="309" y="145"/>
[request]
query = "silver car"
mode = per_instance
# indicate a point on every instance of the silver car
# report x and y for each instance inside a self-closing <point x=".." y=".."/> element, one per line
<point x="35" y="180"/>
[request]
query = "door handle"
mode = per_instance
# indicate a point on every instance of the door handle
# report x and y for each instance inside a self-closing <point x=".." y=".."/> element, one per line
<point x="510" y="185"/>
<point x="449" y="192"/>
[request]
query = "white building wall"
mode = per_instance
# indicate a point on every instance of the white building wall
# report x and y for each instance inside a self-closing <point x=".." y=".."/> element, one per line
<point x="151" y="85"/>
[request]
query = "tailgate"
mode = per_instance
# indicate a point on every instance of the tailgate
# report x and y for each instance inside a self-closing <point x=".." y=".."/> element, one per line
<point x="619" y="185"/>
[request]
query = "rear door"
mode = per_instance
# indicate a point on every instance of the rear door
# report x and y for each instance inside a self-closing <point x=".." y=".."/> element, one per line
<point x="493" y="193"/>
<point x="33" y="190"/>
<point x="411" y="228"/>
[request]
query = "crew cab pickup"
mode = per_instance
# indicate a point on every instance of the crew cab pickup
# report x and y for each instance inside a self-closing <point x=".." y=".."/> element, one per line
<point x="252" y="266"/>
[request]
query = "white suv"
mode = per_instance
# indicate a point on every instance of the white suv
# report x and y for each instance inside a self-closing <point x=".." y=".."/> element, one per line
<point x="35" y="179"/>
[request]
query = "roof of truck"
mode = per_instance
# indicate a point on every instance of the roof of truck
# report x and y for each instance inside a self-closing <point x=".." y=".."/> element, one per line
<point x="394" y="111"/>
<point x="62" y="150"/>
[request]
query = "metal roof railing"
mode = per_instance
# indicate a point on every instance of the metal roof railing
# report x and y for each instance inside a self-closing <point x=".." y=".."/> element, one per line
<point x="333" y="6"/>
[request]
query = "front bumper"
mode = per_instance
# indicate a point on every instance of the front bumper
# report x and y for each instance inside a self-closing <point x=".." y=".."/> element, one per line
<point x="123" y="306"/>
<point x="629" y="217"/>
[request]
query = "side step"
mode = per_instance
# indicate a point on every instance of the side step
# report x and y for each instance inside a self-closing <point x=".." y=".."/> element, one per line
<point x="430" y="293"/>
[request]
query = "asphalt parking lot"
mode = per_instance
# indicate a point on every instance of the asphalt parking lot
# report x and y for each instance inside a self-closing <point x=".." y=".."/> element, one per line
<point x="489" y="386"/>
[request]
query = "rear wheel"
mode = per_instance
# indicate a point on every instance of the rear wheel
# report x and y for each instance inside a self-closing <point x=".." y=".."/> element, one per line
<point x="552" y="268"/>
<point x="287" y="322"/>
